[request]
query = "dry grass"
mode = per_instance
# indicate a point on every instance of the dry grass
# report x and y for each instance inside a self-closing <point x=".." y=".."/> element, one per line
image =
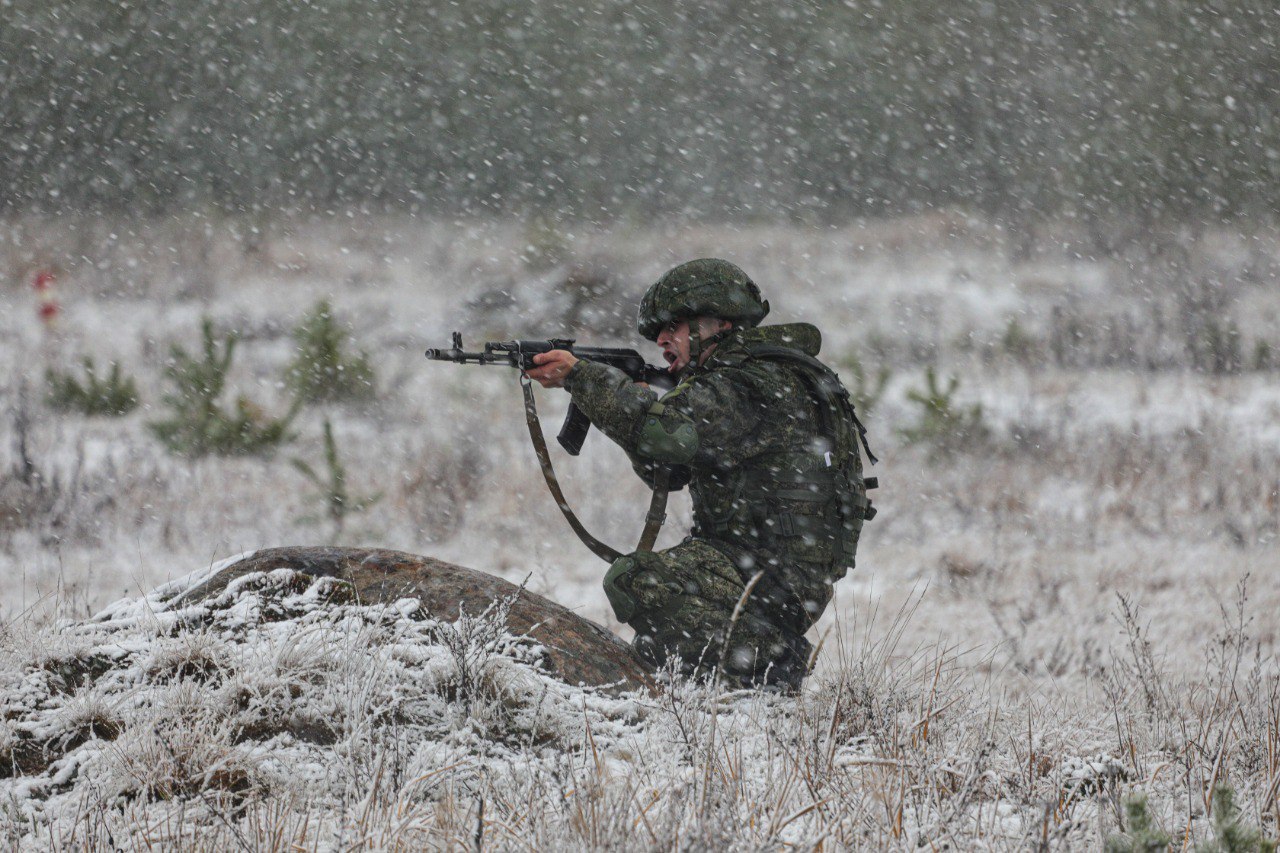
<point x="1036" y="628"/>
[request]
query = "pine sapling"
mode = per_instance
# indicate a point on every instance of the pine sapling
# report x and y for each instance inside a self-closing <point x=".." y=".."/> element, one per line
<point x="1231" y="833"/>
<point x="198" y="425"/>
<point x="321" y="370"/>
<point x="865" y="391"/>
<point x="1017" y="342"/>
<point x="113" y="396"/>
<point x="941" y="422"/>
<point x="1141" y="834"/>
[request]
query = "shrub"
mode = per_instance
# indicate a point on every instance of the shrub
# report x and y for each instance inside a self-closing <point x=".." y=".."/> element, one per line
<point x="113" y="396"/>
<point x="1017" y="342"/>
<point x="1263" y="356"/>
<point x="28" y="491"/>
<point x="321" y="371"/>
<point x="198" y="425"/>
<point x="1216" y="346"/>
<point x="941" y="423"/>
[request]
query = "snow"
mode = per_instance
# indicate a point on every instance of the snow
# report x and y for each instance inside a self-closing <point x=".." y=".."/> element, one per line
<point x="1004" y="559"/>
<point x="130" y="611"/>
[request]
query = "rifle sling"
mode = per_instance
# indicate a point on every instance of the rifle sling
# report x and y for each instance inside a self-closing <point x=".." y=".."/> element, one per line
<point x="657" y="505"/>
<point x="657" y="513"/>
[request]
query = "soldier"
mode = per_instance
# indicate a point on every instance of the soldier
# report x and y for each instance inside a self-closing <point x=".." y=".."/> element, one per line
<point x="765" y="438"/>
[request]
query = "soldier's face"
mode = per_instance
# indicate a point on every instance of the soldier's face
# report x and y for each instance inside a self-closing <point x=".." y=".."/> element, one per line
<point x="674" y="340"/>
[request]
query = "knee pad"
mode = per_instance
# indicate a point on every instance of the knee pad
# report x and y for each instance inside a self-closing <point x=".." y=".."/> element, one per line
<point x="624" y="606"/>
<point x="618" y="582"/>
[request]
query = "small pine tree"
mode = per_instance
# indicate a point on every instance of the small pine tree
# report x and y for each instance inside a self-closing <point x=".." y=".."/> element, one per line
<point x="1263" y="356"/>
<point x="198" y="425"/>
<point x="1231" y="833"/>
<point x="1017" y="342"/>
<point x="321" y="371"/>
<point x="333" y="486"/>
<point x="114" y="396"/>
<point x="864" y="391"/>
<point x="1141" y="835"/>
<point x="942" y="423"/>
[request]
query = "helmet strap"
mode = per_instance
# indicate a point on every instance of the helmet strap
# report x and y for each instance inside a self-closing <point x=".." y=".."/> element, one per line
<point x="695" y="342"/>
<point x="698" y="344"/>
<point x="717" y="337"/>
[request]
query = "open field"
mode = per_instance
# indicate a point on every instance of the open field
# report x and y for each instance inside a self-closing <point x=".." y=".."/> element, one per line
<point x="1072" y="602"/>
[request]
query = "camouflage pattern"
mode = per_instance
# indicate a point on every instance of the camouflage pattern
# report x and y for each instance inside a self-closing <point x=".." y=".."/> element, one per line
<point x="744" y="435"/>
<point x="681" y="604"/>
<point x="706" y="287"/>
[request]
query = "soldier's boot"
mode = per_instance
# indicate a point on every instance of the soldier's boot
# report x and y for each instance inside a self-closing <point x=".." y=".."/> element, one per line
<point x="762" y="655"/>
<point x="786" y="672"/>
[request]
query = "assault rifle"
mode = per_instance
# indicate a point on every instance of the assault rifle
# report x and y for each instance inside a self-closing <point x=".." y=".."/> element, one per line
<point x="519" y="354"/>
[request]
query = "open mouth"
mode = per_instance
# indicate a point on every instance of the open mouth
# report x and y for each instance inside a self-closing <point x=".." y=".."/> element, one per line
<point x="669" y="356"/>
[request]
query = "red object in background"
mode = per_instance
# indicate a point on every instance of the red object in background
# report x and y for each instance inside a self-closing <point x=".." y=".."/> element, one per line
<point x="49" y="307"/>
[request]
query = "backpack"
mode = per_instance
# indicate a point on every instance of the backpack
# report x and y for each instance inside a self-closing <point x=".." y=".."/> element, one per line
<point x="840" y="425"/>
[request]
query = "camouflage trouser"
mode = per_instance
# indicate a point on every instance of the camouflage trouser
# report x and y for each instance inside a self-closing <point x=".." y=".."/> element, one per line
<point x="681" y="602"/>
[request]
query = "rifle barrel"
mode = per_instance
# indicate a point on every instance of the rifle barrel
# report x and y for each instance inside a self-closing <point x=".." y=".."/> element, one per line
<point x="460" y="357"/>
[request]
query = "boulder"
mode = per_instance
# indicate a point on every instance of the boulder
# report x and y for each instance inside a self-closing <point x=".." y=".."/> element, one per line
<point x="578" y="650"/>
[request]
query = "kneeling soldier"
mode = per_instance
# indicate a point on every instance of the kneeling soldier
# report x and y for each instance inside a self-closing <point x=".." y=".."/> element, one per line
<point x="766" y="439"/>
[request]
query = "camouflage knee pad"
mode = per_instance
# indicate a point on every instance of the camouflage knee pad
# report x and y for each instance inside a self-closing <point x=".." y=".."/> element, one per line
<point x="657" y="586"/>
<point x="632" y="584"/>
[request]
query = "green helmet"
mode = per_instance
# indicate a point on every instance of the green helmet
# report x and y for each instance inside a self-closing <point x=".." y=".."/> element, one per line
<point x="706" y="287"/>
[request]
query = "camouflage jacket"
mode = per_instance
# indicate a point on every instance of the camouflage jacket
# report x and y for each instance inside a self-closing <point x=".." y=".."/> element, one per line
<point x="743" y="432"/>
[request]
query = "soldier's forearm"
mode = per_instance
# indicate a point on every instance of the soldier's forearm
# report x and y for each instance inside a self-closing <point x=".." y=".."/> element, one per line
<point x="610" y="399"/>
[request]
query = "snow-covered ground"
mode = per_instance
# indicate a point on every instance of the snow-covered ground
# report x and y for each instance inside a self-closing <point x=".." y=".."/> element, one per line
<point x="1090" y="585"/>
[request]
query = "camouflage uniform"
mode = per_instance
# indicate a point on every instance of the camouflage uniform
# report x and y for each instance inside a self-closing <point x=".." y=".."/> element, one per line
<point x="746" y="432"/>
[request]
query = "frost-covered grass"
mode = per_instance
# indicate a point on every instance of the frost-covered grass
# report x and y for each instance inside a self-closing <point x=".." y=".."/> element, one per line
<point x="280" y="715"/>
<point x="1055" y="603"/>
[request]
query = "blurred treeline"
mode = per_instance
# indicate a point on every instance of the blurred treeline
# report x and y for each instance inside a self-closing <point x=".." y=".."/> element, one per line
<point x="606" y="109"/>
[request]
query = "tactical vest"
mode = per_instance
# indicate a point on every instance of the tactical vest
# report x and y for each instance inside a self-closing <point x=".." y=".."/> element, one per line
<point x="800" y="505"/>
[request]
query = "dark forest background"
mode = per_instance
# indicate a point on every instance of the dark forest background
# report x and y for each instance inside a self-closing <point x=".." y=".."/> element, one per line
<point x="724" y="109"/>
